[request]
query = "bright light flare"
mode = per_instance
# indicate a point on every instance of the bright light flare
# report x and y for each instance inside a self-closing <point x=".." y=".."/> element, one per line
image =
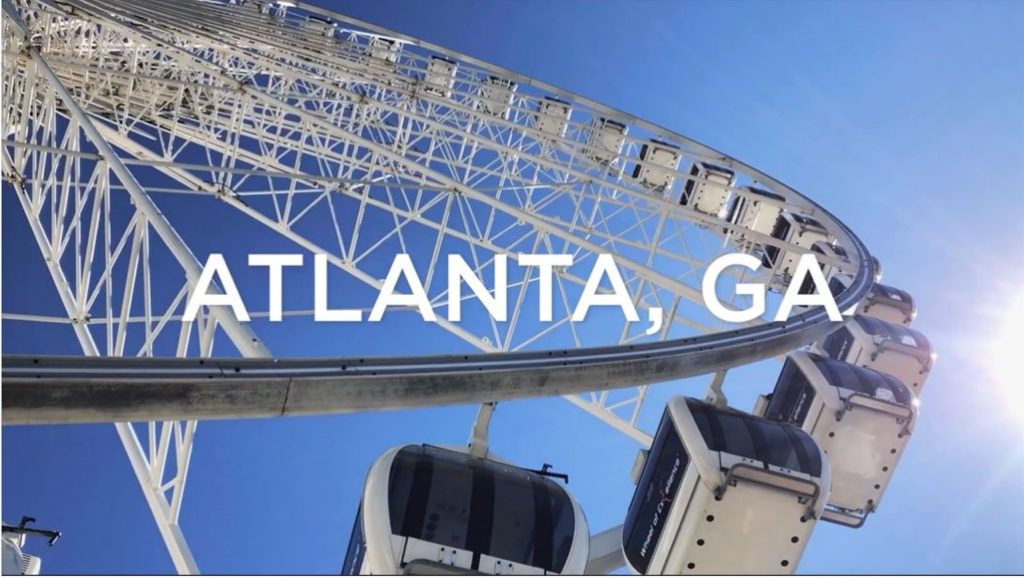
<point x="1006" y="356"/>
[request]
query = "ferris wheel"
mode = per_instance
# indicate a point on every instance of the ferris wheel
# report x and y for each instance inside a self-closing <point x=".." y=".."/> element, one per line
<point x="124" y="120"/>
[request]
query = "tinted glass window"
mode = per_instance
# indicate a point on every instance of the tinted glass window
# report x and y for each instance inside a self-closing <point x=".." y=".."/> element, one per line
<point x="836" y="286"/>
<point x="807" y="220"/>
<point x="778" y="444"/>
<point x="356" y="548"/>
<point x="690" y="184"/>
<point x="765" y="193"/>
<point x="779" y="231"/>
<point x="863" y="380"/>
<point x="792" y="397"/>
<point x="809" y="287"/>
<point x="771" y="253"/>
<point x="837" y="344"/>
<point x="735" y="206"/>
<point x="724" y="171"/>
<point x="894" y="332"/>
<point x="892" y="297"/>
<point x="655" y="493"/>
<point x="480" y="505"/>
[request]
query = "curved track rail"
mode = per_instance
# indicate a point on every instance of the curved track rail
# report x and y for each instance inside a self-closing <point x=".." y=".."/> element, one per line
<point x="76" y="389"/>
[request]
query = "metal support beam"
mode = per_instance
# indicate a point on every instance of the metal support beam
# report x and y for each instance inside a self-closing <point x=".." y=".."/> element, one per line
<point x="243" y="338"/>
<point x="714" y="395"/>
<point x="478" y="439"/>
<point x="149" y="470"/>
<point x="606" y="552"/>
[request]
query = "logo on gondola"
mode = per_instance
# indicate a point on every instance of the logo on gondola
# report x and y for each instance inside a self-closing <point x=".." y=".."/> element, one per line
<point x="604" y="287"/>
<point x="666" y="492"/>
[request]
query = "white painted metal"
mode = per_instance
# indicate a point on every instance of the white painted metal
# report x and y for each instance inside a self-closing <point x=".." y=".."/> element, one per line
<point x="605" y="552"/>
<point x="552" y="116"/>
<point x="496" y="96"/>
<point x="720" y="513"/>
<point x="307" y="116"/>
<point x="889" y="304"/>
<point x="801" y="230"/>
<point x="392" y="553"/>
<point x="163" y="494"/>
<point x="657" y="167"/>
<point x="887" y="347"/>
<point x="863" y="434"/>
<point x="606" y="139"/>
<point x="440" y="76"/>
<point x="708" y="188"/>
<point x="755" y="209"/>
<point x="15" y="561"/>
<point x="479" y="443"/>
<point x="830" y="249"/>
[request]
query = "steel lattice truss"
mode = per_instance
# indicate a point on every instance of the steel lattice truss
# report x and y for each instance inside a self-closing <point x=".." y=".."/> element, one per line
<point x="335" y="136"/>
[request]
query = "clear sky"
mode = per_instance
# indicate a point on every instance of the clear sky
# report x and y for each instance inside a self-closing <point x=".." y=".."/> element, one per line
<point x="905" y="119"/>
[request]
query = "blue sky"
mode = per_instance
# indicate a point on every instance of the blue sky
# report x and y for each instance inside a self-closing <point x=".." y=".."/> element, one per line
<point x="905" y="119"/>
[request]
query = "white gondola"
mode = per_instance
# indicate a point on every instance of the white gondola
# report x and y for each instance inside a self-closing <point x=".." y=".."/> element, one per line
<point x="440" y="76"/>
<point x="322" y="26"/>
<point x="660" y="163"/>
<point x="798" y="229"/>
<point x="756" y="209"/>
<point x="845" y="280"/>
<point x="496" y="96"/>
<point x="429" y="510"/>
<point x="15" y="561"/>
<point x="724" y="492"/>
<point x="832" y="251"/>
<point x="606" y="139"/>
<point x="552" y="116"/>
<point x="384" y="49"/>
<point x="860" y="417"/>
<point x="889" y="304"/>
<point x="882" y="346"/>
<point x="708" y="189"/>
<point x="882" y="301"/>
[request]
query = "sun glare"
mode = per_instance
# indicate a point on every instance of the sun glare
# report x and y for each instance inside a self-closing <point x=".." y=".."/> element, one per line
<point x="1005" y="361"/>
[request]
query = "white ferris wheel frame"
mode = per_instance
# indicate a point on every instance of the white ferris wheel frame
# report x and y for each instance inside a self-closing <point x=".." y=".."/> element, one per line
<point x="269" y="80"/>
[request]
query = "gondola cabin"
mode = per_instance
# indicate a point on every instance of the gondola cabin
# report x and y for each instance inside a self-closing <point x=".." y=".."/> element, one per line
<point x="882" y="346"/>
<point x="889" y="304"/>
<point x="724" y="492"/>
<point x="832" y="251"/>
<point x="429" y="510"/>
<point x="659" y="162"/>
<point x="321" y="26"/>
<point x="801" y="230"/>
<point x="384" y="49"/>
<point x="552" y="116"/>
<point x="440" y="76"/>
<point x="756" y="210"/>
<point x="605" y="140"/>
<point x="708" y="188"/>
<point x="860" y="417"/>
<point x="496" y="96"/>
<point x="839" y="282"/>
<point x="882" y="301"/>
